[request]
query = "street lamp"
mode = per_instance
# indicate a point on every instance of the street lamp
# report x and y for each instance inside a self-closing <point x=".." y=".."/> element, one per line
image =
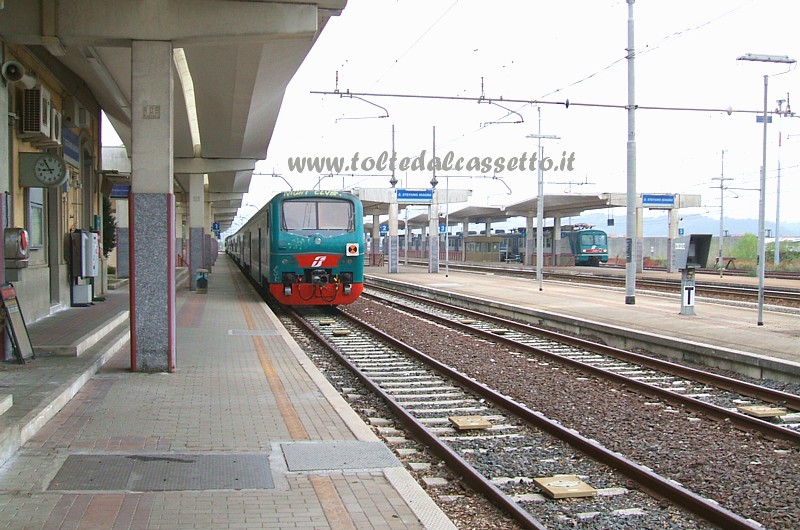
<point x="784" y="59"/>
<point x="540" y="199"/>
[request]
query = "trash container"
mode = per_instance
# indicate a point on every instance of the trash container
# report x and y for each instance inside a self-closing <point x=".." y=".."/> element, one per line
<point x="202" y="281"/>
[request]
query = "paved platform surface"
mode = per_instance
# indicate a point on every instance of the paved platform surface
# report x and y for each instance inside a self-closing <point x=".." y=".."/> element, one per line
<point x="727" y="326"/>
<point x="245" y="434"/>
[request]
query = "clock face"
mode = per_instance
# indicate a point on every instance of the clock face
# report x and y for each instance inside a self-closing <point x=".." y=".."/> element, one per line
<point x="50" y="169"/>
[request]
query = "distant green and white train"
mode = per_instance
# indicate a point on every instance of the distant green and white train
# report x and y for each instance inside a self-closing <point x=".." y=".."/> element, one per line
<point x="589" y="246"/>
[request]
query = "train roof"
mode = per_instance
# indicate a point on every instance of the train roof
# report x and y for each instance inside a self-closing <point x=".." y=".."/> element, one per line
<point x="313" y="193"/>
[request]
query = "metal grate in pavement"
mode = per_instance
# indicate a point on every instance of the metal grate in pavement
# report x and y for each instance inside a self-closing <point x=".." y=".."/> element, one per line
<point x="164" y="472"/>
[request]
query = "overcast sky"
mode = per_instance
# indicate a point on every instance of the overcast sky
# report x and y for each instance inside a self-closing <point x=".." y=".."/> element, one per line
<point x="552" y="51"/>
<point x="686" y="57"/>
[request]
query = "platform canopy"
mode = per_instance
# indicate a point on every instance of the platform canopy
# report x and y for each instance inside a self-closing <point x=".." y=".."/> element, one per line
<point x="239" y="56"/>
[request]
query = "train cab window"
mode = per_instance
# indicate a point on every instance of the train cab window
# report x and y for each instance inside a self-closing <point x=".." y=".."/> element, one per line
<point x="588" y="240"/>
<point x="317" y="215"/>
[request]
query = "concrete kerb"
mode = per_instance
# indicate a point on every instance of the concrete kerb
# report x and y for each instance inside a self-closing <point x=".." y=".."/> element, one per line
<point x="87" y="341"/>
<point x="18" y="434"/>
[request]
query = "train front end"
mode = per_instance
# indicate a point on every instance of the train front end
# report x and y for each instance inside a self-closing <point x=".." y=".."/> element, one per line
<point x="316" y="248"/>
<point x="591" y="247"/>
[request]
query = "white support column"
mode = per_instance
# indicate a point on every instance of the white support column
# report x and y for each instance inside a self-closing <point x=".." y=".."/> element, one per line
<point x="556" y="240"/>
<point x="464" y="234"/>
<point x="674" y="218"/>
<point x="123" y="239"/>
<point x="376" y="236"/>
<point x="152" y="204"/>
<point x="530" y="242"/>
<point x="639" y="254"/>
<point x="394" y="241"/>
<point x="433" y="241"/>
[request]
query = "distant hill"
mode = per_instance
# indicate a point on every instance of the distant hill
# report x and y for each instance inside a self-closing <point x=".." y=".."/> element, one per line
<point x="692" y="224"/>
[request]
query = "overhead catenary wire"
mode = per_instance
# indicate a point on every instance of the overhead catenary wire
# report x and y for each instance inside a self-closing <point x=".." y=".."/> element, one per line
<point x="566" y="103"/>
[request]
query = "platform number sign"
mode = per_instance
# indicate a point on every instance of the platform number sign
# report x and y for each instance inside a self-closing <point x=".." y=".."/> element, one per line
<point x="688" y="295"/>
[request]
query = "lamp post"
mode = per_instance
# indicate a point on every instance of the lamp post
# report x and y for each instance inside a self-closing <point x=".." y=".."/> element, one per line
<point x="631" y="241"/>
<point x="540" y="199"/>
<point x="762" y="194"/>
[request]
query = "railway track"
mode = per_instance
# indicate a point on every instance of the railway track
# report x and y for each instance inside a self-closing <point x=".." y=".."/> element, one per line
<point x="425" y="393"/>
<point x="712" y="394"/>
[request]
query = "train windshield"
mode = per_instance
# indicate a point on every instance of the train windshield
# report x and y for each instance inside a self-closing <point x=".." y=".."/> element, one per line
<point x="588" y="240"/>
<point x="316" y="214"/>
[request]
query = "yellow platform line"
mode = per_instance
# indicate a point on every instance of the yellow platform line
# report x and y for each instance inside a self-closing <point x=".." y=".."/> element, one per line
<point x="287" y="410"/>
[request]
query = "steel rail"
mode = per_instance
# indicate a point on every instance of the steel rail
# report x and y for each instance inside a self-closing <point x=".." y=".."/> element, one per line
<point x="660" y="487"/>
<point x="742" y="421"/>
<point x="791" y="401"/>
<point x="468" y="473"/>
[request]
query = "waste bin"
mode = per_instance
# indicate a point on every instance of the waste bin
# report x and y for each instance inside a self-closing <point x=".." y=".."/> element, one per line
<point x="202" y="280"/>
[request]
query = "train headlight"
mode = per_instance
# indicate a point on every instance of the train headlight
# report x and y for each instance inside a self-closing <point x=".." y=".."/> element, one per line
<point x="318" y="240"/>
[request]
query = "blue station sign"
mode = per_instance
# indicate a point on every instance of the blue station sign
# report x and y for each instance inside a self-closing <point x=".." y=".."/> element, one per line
<point x="415" y="196"/>
<point x="658" y="201"/>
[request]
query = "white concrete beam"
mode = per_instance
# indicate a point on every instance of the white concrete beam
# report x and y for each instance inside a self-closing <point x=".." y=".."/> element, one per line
<point x="184" y="22"/>
<point x="213" y="165"/>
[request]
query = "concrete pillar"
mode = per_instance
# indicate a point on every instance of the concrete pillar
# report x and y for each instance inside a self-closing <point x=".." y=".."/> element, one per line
<point x="197" y="195"/>
<point x="152" y="207"/>
<point x="556" y="240"/>
<point x="433" y="241"/>
<point x="179" y="242"/>
<point x="530" y="242"/>
<point x="394" y="240"/>
<point x="672" y="234"/>
<point x="123" y="240"/>
<point x="464" y="234"/>
<point x="376" y="235"/>
<point x="208" y="216"/>
<point x="639" y="256"/>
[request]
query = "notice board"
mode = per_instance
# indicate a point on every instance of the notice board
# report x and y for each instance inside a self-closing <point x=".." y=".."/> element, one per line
<point x="15" y="322"/>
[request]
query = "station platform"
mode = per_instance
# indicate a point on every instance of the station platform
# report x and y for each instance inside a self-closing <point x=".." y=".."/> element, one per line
<point x="729" y="330"/>
<point x="246" y="433"/>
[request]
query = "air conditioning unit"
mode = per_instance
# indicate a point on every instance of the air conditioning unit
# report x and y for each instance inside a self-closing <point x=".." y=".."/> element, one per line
<point x="55" y="132"/>
<point x="36" y="110"/>
<point x="75" y="114"/>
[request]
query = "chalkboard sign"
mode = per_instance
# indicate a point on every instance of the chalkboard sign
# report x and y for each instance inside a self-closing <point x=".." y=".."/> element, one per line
<point x="15" y="322"/>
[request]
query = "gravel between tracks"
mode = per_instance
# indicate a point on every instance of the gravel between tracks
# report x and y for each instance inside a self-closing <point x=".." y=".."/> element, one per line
<point x="752" y="476"/>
